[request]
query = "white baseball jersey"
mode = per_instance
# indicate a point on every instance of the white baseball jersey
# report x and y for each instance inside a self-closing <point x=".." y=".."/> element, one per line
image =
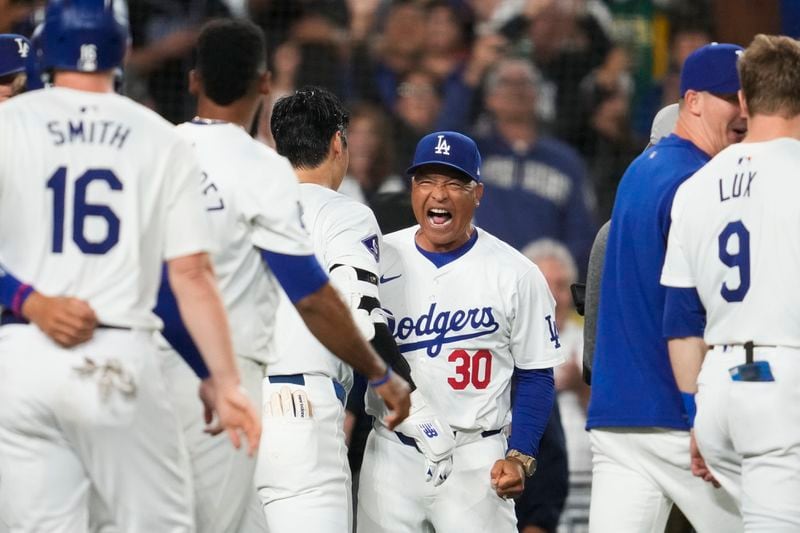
<point x="251" y="194"/>
<point x="343" y="232"/>
<point x="735" y="237"/>
<point x="465" y="326"/>
<point x="95" y="192"/>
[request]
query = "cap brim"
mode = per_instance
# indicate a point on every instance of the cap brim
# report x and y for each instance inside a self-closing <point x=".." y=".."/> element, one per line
<point x="413" y="168"/>
<point x="12" y="71"/>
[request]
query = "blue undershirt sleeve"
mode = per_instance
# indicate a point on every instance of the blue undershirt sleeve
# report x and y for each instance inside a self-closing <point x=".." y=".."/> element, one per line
<point x="533" y="401"/>
<point x="13" y="292"/>
<point x="175" y="330"/>
<point x="299" y="275"/>
<point x="684" y="315"/>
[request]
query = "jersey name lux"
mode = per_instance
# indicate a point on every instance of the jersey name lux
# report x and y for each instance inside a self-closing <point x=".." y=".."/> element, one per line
<point x="739" y="186"/>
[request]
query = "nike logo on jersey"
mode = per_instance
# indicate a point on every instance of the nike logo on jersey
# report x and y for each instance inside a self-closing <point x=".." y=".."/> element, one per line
<point x="440" y="325"/>
<point x="387" y="280"/>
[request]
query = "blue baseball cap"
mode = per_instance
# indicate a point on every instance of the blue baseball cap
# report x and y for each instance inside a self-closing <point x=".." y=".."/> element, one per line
<point x="14" y="53"/>
<point x="712" y="68"/>
<point x="451" y="149"/>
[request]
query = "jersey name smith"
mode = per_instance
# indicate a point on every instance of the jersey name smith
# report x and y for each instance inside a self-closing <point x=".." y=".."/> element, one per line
<point x="100" y="132"/>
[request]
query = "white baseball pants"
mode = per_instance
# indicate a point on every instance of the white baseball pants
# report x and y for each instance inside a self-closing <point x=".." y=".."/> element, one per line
<point x="225" y="496"/>
<point x="749" y="434"/>
<point x="639" y="473"/>
<point x="393" y="496"/>
<point x="303" y="477"/>
<point x="98" y="414"/>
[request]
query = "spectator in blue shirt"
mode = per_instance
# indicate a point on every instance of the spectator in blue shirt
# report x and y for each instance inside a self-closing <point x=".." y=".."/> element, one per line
<point x="536" y="186"/>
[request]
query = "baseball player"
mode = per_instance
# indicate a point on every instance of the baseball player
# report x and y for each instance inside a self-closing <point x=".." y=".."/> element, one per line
<point x="14" y="55"/>
<point x="303" y="477"/>
<point x="252" y="199"/>
<point x="638" y="427"/>
<point x="733" y="241"/>
<point x="104" y="191"/>
<point x="68" y="321"/>
<point x="471" y="314"/>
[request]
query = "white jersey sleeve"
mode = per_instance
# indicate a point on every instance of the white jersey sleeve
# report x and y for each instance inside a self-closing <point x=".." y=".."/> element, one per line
<point x="185" y="213"/>
<point x="353" y="236"/>
<point x="343" y="232"/>
<point x="250" y="194"/>
<point x="534" y="337"/>
<point x="272" y="204"/>
<point x="676" y="271"/>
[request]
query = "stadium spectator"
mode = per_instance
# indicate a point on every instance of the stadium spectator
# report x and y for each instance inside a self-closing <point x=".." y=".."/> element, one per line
<point x="418" y="103"/>
<point x="164" y="34"/>
<point x="535" y="185"/>
<point x="559" y="269"/>
<point x="369" y="142"/>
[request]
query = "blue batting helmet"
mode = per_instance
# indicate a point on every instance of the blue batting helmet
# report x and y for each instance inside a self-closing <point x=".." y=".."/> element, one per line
<point x="84" y="35"/>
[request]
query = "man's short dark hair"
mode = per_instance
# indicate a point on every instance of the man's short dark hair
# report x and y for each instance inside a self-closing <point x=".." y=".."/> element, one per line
<point x="231" y="55"/>
<point x="302" y="125"/>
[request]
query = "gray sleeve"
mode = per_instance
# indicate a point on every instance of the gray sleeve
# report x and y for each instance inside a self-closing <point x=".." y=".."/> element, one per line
<point x="593" y="277"/>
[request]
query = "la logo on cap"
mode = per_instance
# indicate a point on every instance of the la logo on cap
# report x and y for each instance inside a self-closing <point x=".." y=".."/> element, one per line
<point x="22" y="47"/>
<point x="442" y="147"/>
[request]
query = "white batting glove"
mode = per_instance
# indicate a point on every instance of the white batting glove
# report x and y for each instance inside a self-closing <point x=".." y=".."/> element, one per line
<point x="288" y="404"/>
<point x="433" y="436"/>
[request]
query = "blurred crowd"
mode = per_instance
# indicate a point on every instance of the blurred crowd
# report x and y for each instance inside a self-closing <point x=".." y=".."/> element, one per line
<point x="559" y="95"/>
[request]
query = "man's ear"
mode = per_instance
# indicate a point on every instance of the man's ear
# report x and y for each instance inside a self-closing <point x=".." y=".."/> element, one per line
<point x="693" y="102"/>
<point x="265" y="83"/>
<point x="194" y="82"/>
<point x="478" y="193"/>
<point x="337" y="145"/>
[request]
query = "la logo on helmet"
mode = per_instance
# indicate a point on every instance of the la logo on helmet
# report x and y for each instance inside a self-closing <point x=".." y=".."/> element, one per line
<point x="442" y="147"/>
<point x="88" y="59"/>
<point x="22" y="47"/>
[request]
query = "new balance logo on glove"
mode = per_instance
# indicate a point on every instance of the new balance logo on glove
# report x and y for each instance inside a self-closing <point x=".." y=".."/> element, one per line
<point x="429" y="430"/>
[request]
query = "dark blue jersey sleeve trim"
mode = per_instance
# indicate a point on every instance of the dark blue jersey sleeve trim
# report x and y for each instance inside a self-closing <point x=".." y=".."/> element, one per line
<point x="533" y="401"/>
<point x="684" y="314"/>
<point x="175" y="330"/>
<point x="299" y="275"/>
<point x="13" y="292"/>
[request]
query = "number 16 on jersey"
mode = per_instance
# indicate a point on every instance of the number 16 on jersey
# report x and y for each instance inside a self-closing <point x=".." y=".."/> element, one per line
<point x="81" y="209"/>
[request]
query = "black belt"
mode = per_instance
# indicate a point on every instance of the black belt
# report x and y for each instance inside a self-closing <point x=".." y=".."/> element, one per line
<point x="748" y="349"/>
<point x="8" y="318"/>
<point x="409" y="441"/>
